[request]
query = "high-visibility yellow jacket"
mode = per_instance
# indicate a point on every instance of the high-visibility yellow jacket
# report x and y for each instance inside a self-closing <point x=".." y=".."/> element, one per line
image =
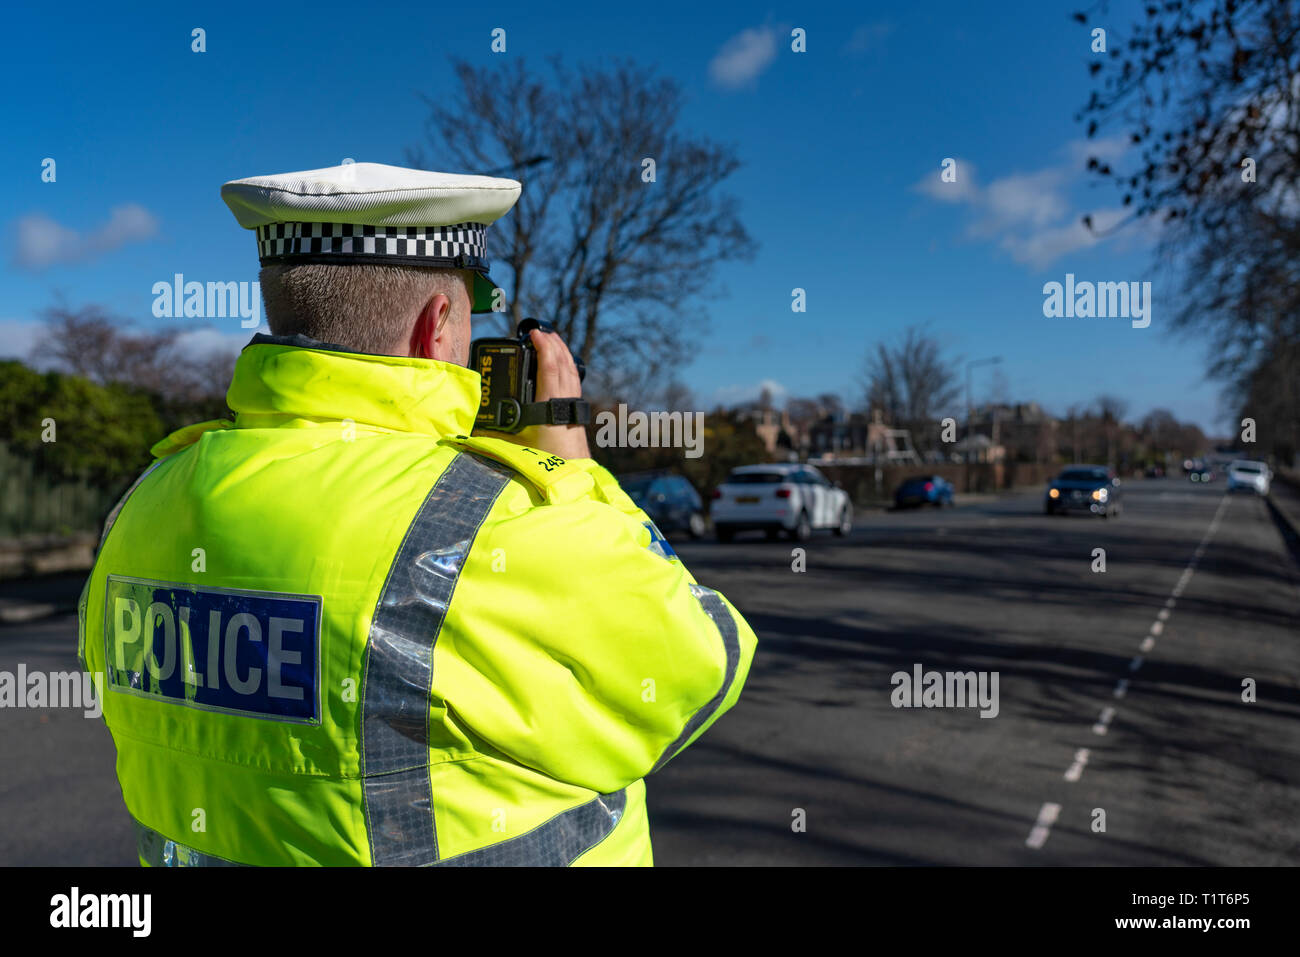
<point x="342" y="631"/>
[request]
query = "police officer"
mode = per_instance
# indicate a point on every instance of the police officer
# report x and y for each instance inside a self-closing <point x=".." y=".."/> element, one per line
<point x="343" y="630"/>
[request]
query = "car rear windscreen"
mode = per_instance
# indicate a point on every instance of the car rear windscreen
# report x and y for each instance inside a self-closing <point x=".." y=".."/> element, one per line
<point x="755" y="478"/>
<point x="1082" y="475"/>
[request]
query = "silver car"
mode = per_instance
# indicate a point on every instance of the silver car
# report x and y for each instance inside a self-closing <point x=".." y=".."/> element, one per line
<point x="1246" y="474"/>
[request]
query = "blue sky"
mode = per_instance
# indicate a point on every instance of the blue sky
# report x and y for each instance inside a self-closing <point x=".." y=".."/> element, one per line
<point x="841" y="147"/>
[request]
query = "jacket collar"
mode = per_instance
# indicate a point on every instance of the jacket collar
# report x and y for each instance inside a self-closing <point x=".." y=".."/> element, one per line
<point x="280" y="378"/>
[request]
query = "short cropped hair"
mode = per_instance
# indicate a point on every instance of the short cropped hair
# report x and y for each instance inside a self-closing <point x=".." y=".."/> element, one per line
<point x="362" y="307"/>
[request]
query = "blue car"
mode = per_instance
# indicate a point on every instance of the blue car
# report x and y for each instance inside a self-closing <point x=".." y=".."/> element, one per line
<point x="924" y="490"/>
<point x="670" y="500"/>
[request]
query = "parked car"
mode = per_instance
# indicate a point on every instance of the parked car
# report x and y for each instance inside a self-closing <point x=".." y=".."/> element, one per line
<point x="669" y="499"/>
<point x="779" y="498"/>
<point x="1250" y="475"/>
<point x="924" y="490"/>
<point x="1092" y="487"/>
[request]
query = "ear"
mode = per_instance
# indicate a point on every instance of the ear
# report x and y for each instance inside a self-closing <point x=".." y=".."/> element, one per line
<point x="430" y="338"/>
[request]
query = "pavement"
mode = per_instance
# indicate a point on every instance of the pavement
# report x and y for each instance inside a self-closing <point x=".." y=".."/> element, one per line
<point x="1121" y="737"/>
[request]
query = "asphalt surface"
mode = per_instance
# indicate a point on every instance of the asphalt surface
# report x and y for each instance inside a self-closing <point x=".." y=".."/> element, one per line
<point x="1185" y="771"/>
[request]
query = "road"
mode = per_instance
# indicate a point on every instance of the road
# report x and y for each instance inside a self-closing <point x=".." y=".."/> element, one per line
<point x="1184" y="770"/>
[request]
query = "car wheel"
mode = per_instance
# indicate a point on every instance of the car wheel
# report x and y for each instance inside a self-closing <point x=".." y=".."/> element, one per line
<point x="724" y="534"/>
<point x="697" y="525"/>
<point x="802" y="530"/>
<point x="846" y="522"/>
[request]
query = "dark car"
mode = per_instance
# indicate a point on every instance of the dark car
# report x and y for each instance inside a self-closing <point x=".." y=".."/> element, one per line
<point x="670" y="501"/>
<point x="923" y="490"/>
<point x="1092" y="488"/>
<point x="1199" y="470"/>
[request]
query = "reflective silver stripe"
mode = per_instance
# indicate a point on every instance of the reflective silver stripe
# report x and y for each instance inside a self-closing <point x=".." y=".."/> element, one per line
<point x="557" y="843"/>
<point x="398" y="674"/>
<point x="157" y="851"/>
<point x="711" y="601"/>
<point x="103" y="537"/>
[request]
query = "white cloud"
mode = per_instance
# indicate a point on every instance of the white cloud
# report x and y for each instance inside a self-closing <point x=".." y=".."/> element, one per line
<point x="736" y="394"/>
<point x="744" y="57"/>
<point x="207" y="341"/>
<point x="43" y="242"/>
<point x="1106" y="150"/>
<point x="960" y="190"/>
<point x="1029" y="214"/>
<point x="18" y="336"/>
<point x="1027" y="199"/>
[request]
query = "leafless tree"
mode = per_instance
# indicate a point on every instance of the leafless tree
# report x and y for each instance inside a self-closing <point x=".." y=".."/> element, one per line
<point x="90" y="343"/>
<point x="618" y="253"/>
<point x="1110" y="411"/>
<point x="1208" y="92"/>
<point x="911" y="382"/>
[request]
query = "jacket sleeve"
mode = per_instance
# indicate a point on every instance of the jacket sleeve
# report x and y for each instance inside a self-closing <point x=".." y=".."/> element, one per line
<point x="579" y="645"/>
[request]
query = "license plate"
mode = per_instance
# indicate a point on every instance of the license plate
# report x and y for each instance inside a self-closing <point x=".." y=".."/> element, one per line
<point x="747" y="499"/>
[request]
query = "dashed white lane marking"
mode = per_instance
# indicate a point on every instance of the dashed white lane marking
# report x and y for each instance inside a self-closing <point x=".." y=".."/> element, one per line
<point x="1047" y="816"/>
<point x="1103" y="723"/>
<point x="1075" y="770"/>
<point x="1043" y="826"/>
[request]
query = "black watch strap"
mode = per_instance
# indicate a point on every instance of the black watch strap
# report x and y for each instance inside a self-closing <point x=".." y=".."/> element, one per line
<point x="556" y="412"/>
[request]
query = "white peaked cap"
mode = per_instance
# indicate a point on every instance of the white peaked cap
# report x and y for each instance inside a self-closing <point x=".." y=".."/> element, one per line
<point x="372" y="213"/>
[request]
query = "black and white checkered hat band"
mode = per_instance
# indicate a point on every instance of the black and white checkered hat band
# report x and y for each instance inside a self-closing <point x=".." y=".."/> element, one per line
<point x="349" y="241"/>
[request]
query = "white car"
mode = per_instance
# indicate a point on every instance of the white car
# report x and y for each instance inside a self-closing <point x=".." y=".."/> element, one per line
<point x="779" y="498"/>
<point x="1247" y="474"/>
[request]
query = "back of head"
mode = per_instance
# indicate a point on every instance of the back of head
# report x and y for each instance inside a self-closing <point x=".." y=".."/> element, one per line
<point x="359" y="306"/>
<point x="356" y="255"/>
